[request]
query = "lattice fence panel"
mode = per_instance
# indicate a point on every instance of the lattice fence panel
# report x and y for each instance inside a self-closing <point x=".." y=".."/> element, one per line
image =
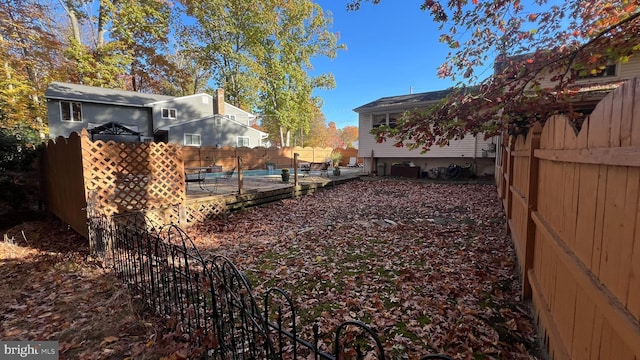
<point x="164" y="216"/>
<point x="123" y="177"/>
<point x="201" y="211"/>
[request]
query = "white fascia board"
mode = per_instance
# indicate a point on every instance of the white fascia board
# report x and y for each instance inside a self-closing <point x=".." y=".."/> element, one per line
<point x="81" y="100"/>
<point x="177" y="99"/>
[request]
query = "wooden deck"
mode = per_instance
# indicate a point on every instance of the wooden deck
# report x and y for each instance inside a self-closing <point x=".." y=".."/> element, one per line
<point x="257" y="190"/>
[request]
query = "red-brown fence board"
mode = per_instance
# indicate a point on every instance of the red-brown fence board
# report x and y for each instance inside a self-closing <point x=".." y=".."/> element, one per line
<point x="63" y="182"/>
<point x="584" y="203"/>
<point x="257" y="158"/>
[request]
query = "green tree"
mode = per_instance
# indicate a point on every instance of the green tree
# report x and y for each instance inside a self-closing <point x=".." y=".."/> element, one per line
<point x="131" y="53"/>
<point x="223" y="37"/>
<point x="260" y="52"/>
<point x="566" y="39"/>
<point x="184" y="75"/>
<point x="28" y="49"/>
<point x="299" y="33"/>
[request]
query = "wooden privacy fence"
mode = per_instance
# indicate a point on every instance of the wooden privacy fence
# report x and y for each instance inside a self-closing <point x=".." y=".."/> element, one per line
<point x="80" y="175"/>
<point x="115" y="178"/>
<point x="257" y="158"/>
<point x="572" y="204"/>
<point x="62" y="187"/>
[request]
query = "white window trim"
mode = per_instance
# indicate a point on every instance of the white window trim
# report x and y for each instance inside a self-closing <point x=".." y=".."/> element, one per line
<point x="71" y="103"/>
<point x="230" y="116"/>
<point x="387" y="119"/>
<point x="192" y="135"/>
<point x="243" y="137"/>
<point x="218" y="121"/>
<point x="169" y="111"/>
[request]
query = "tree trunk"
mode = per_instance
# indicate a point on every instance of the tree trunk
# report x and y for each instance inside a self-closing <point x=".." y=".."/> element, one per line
<point x="73" y="20"/>
<point x="7" y="68"/>
<point x="282" y="137"/>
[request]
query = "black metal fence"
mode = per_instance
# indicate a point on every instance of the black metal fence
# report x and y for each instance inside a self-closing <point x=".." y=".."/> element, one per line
<point x="211" y="302"/>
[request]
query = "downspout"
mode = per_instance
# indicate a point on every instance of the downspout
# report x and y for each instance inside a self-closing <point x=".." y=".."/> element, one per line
<point x="373" y="166"/>
<point x="475" y="151"/>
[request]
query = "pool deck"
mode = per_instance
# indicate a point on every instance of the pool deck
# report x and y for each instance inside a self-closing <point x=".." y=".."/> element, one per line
<point x="267" y="183"/>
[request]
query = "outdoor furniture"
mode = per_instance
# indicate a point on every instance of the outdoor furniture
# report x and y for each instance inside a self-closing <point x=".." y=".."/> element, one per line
<point x="353" y="162"/>
<point x="322" y="167"/>
<point x="226" y="175"/>
<point x="199" y="175"/>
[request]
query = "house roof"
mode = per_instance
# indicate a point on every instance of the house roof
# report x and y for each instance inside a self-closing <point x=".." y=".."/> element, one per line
<point x="167" y="127"/>
<point x="171" y="98"/>
<point x="67" y="91"/>
<point x="411" y="100"/>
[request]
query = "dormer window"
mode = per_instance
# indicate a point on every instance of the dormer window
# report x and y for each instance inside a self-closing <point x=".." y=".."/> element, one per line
<point x="168" y="113"/>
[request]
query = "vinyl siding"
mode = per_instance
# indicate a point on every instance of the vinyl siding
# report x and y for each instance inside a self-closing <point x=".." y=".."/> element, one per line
<point x="241" y="116"/>
<point x="212" y="135"/>
<point x="624" y="71"/>
<point x="188" y="108"/>
<point x="98" y="114"/>
<point x="468" y="147"/>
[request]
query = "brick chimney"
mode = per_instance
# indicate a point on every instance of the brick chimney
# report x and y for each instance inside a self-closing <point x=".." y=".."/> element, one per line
<point x="219" y="105"/>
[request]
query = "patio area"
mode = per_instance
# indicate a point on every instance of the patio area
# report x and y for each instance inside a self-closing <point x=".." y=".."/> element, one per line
<point x="253" y="184"/>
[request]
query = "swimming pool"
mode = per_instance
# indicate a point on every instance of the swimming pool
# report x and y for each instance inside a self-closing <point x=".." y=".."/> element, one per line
<point x="251" y="173"/>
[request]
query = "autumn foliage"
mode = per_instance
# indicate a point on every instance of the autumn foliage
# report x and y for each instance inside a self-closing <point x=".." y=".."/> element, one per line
<point x="522" y="43"/>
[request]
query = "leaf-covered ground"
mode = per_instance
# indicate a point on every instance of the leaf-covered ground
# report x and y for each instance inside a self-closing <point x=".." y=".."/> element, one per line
<point x="428" y="266"/>
<point x="52" y="290"/>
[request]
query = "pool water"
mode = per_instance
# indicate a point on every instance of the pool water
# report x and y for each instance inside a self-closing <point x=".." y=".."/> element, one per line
<point x="252" y="173"/>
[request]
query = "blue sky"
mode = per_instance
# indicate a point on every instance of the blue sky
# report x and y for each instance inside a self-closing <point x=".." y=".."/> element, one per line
<point x="392" y="47"/>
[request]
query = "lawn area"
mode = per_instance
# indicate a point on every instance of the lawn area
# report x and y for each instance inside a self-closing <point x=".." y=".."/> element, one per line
<point x="428" y="266"/>
<point x="425" y="265"/>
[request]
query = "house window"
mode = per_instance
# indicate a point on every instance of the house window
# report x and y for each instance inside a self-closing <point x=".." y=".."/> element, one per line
<point x="71" y="111"/>
<point x="393" y="119"/>
<point x="146" y="139"/>
<point x="232" y="117"/>
<point x="218" y="121"/>
<point x="378" y="119"/>
<point x="390" y="120"/>
<point x="192" y="140"/>
<point x="169" y="113"/>
<point x="243" y="141"/>
<point x="608" y="71"/>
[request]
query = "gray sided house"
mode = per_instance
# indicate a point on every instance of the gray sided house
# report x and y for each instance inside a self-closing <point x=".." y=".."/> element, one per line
<point x="110" y="114"/>
<point x="473" y="152"/>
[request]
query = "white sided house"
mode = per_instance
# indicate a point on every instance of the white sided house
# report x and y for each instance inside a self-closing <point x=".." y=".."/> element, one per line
<point x="127" y="116"/>
<point x="473" y="153"/>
